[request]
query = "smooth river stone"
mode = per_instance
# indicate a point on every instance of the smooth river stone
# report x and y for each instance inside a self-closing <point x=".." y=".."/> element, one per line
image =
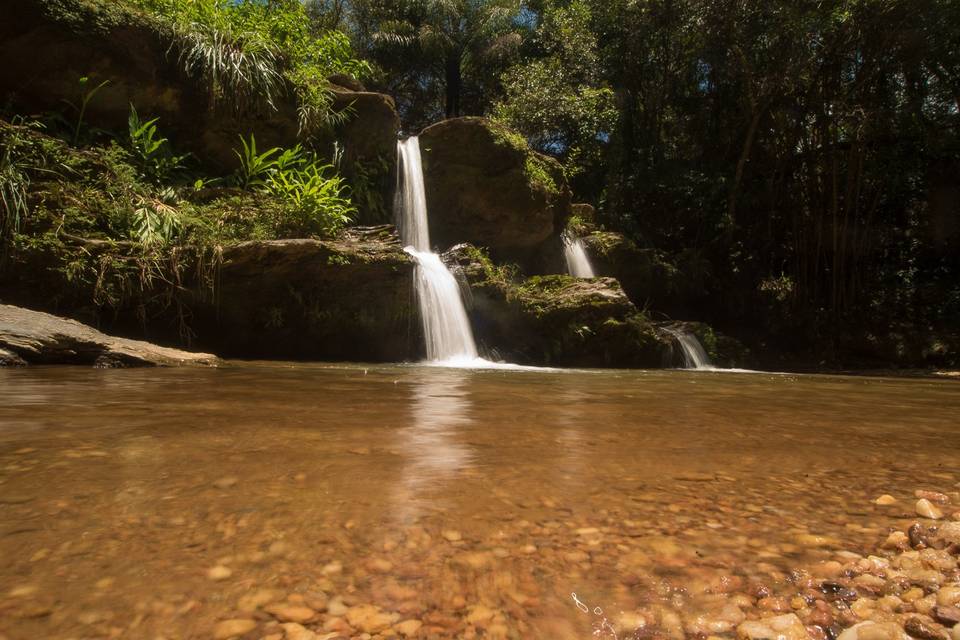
<point x="874" y="631"/>
<point x="885" y="500"/>
<point x="927" y="509"/>
<point x="232" y="628"/>
<point x="785" y="627"/>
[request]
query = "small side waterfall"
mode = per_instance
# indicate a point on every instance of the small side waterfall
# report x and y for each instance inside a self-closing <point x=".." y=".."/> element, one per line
<point x="578" y="264"/>
<point x="446" y="327"/>
<point x="694" y="356"/>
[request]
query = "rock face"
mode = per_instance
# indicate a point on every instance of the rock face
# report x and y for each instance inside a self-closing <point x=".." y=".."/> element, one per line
<point x="40" y="338"/>
<point x="346" y="299"/>
<point x="486" y="187"/>
<point x="645" y="274"/>
<point x="554" y="320"/>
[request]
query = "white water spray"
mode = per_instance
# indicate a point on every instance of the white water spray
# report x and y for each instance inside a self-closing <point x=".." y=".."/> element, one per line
<point x="694" y="356"/>
<point x="578" y="264"/>
<point x="445" y="324"/>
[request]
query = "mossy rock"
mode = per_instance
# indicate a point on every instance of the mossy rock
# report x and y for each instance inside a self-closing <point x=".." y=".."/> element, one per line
<point x="485" y="186"/>
<point x="553" y="320"/>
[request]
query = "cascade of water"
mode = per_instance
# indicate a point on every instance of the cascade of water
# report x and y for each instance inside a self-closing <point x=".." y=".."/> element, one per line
<point x="578" y="264"/>
<point x="694" y="356"/>
<point x="445" y="324"/>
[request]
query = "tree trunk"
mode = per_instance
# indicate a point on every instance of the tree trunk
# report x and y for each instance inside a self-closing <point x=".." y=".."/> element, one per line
<point x="742" y="163"/>
<point x="454" y="82"/>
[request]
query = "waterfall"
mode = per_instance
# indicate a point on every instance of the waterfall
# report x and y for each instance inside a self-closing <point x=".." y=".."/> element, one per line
<point x="578" y="264"/>
<point x="694" y="357"/>
<point x="445" y="324"/>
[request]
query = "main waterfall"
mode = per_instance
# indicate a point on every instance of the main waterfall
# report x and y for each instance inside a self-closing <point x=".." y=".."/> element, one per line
<point x="446" y="327"/>
<point x="694" y="355"/>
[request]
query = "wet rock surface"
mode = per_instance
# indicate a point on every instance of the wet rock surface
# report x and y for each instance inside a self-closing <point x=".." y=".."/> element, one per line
<point x="40" y="338"/>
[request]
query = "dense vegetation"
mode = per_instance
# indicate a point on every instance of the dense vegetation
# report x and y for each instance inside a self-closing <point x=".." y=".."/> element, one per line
<point x="799" y="160"/>
<point x="797" y="163"/>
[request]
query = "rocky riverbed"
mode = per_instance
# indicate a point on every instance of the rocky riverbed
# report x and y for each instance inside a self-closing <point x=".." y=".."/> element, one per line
<point x="447" y="510"/>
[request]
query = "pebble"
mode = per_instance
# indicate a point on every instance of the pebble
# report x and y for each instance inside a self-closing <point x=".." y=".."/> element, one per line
<point x="932" y="496"/>
<point x="255" y="600"/>
<point x="226" y="483"/>
<point x="290" y="612"/>
<point x="917" y="628"/>
<point x="408" y="628"/>
<point x="785" y="627"/>
<point x="885" y="500"/>
<point x="927" y="509"/>
<point x="452" y="536"/>
<point x="295" y="631"/>
<point x="871" y="630"/>
<point x="949" y="616"/>
<point x="219" y="572"/>
<point x="949" y="596"/>
<point x="379" y="565"/>
<point x="336" y="607"/>
<point x="232" y="628"/>
<point x="370" y="619"/>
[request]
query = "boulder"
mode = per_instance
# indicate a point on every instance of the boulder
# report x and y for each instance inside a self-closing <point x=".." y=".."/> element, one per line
<point x="344" y="299"/>
<point x="486" y="187"/>
<point x="553" y="320"/>
<point x="648" y="278"/>
<point x="40" y="338"/>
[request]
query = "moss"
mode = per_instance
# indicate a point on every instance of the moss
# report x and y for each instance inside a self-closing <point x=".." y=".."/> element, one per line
<point x="505" y="137"/>
<point x="538" y="172"/>
<point x="97" y="17"/>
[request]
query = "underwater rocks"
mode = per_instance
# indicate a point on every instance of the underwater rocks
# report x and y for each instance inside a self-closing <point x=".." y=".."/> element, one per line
<point x="40" y="338"/>
<point x="486" y="187"/>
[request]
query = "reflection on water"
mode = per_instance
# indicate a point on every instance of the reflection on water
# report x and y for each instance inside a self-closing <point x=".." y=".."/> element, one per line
<point x="433" y="452"/>
<point x="158" y="503"/>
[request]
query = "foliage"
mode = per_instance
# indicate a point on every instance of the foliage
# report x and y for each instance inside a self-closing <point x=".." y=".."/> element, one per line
<point x="441" y="57"/>
<point x="247" y="52"/>
<point x="87" y="94"/>
<point x="314" y="198"/>
<point x="14" y="184"/>
<point x="152" y="151"/>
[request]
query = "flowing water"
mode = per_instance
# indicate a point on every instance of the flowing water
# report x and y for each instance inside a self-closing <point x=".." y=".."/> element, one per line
<point x="446" y="328"/>
<point x="578" y="264"/>
<point x="159" y="503"/>
<point x="694" y="355"/>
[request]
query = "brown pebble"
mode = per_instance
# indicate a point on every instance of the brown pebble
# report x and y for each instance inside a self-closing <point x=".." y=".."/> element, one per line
<point x="932" y="496"/>
<point x="946" y="615"/>
<point x="917" y="628"/>
<point x="233" y="628"/>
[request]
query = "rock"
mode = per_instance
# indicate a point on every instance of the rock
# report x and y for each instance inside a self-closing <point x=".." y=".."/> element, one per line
<point x="922" y="630"/>
<point x="485" y="186"/>
<point x="885" y="500"/>
<point x="927" y="509"/>
<point x="219" y="573"/>
<point x="452" y="536"/>
<point x="10" y="359"/>
<point x="233" y="628"/>
<point x="285" y="612"/>
<point x="554" y="320"/>
<point x="379" y="565"/>
<point x="949" y="533"/>
<point x="345" y="299"/>
<point x="408" y="628"/>
<point x="932" y="496"/>
<point x="295" y="631"/>
<point x="955" y="633"/>
<point x="41" y="338"/>
<point x="226" y="483"/>
<point x="874" y="631"/>
<point x="255" y="600"/>
<point x="369" y="619"/>
<point x="785" y="627"/>
<point x="949" y="596"/>
<point x="946" y="615"/>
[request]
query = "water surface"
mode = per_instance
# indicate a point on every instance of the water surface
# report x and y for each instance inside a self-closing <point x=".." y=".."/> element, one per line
<point x="474" y="501"/>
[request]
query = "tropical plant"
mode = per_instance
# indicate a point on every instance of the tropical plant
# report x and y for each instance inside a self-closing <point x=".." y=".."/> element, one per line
<point x="152" y="151"/>
<point x="86" y="95"/>
<point x="156" y="221"/>
<point x="254" y="167"/>
<point x="314" y="200"/>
